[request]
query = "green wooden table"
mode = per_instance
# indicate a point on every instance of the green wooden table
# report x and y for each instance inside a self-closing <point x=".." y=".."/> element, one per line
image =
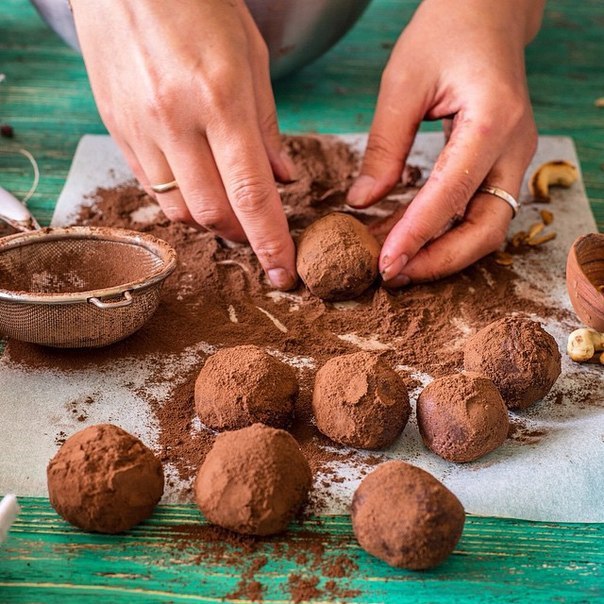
<point x="47" y="100"/>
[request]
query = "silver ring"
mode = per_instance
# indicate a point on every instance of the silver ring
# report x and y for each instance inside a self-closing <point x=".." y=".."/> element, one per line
<point x="504" y="195"/>
<point x="165" y="187"/>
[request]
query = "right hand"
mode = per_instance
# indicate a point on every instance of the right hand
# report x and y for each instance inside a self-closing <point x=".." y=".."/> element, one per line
<point x="184" y="89"/>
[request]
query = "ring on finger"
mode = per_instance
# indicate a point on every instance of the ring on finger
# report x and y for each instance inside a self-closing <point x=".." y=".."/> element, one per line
<point x="503" y="195"/>
<point x="165" y="187"/>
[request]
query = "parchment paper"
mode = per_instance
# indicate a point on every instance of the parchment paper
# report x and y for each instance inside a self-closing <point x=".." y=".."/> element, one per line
<point x="556" y="476"/>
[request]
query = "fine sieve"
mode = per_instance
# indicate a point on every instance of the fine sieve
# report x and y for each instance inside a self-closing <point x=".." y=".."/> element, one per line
<point x="77" y="287"/>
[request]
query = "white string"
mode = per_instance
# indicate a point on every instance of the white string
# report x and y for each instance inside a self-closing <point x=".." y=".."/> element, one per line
<point x="34" y="185"/>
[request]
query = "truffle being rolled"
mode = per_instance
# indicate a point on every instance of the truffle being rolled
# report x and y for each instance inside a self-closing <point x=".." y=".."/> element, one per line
<point x="337" y="257"/>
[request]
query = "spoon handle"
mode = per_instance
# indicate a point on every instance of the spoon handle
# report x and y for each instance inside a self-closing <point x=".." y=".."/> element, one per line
<point x="14" y="213"/>
<point x="9" y="509"/>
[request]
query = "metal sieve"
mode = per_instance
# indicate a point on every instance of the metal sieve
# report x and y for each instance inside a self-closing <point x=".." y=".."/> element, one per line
<point x="77" y="287"/>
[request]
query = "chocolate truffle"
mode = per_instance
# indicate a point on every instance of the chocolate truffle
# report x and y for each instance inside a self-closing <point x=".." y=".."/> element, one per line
<point x="358" y="400"/>
<point x="240" y="386"/>
<point x="104" y="480"/>
<point x="406" y="517"/>
<point x="462" y="417"/>
<point x="253" y="481"/>
<point x="520" y="357"/>
<point x="337" y="257"/>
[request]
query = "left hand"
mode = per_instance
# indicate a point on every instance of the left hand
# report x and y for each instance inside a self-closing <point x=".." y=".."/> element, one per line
<point x="461" y="61"/>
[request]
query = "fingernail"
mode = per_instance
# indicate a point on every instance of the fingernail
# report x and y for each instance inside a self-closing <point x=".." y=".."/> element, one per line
<point x="393" y="268"/>
<point x="360" y="192"/>
<point x="280" y="278"/>
<point x="290" y="166"/>
<point x="398" y="281"/>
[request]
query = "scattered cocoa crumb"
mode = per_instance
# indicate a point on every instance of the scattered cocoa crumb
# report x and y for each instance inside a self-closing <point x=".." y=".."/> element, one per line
<point x="303" y="589"/>
<point x="336" y="592"/>
<point x="248" y="588"/>
<point x="341" y="566"/>
<point x="521" y="433"/>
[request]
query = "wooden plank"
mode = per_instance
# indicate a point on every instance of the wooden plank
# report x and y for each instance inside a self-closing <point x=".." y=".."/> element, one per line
<point x="497" y="560"/>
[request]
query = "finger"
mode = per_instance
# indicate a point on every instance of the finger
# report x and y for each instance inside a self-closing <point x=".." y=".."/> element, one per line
<point x="135" y="165"/>
<point x="460" y="169"/>
<point x="158" y="171"/>
<point x="397" y="118"/>
<point x="380" y="228"/>
<point x="201" y="187"/>
<point x="447" y="128"/>
<point x="482" y="232"/>
<point x="485" y="224"/>
<point x="283" y="166"/>
<point x="246" y="173"/>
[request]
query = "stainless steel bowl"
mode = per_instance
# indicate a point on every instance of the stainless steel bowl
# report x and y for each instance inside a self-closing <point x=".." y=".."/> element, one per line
<point x="296" y="31"/>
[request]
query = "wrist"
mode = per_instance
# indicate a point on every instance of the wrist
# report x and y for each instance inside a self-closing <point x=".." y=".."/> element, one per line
<point x="520" y="20"/>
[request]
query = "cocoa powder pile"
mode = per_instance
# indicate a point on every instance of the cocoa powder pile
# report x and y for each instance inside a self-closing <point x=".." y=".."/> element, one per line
<point x="219" y="295"/>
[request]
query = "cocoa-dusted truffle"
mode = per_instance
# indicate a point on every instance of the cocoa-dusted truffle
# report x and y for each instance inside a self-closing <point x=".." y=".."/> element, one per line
<point x="520" y="357"/>
<point x="462" y="417"/>
<point x="104" y="480"/>
<point x="337" y="257"/>
<point x="406" y="517"/>
<point x="253" y="481"/>
<point x="240" y="386"/>
<point x="358" y="400"/>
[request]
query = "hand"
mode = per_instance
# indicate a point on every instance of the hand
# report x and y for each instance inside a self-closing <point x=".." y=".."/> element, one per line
<point x="184" y="89"/>
<point x="462" y="62"/>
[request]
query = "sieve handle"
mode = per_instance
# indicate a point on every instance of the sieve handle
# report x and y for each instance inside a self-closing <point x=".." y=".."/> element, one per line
<point x="115" y="304"/>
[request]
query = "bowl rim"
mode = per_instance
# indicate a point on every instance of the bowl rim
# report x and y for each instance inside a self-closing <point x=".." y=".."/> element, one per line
<point x="158" y="247"/>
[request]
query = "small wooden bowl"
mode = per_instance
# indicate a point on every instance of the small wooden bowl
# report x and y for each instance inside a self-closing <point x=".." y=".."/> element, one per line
<point x="585" y="279"/>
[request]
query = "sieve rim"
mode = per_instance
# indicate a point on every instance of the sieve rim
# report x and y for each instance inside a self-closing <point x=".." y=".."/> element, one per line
<point x="160" y="248"/>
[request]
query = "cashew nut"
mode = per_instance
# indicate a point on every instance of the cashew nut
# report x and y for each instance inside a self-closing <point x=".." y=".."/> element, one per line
<point x="584" y="343"/>
<point x="553" y="173"/>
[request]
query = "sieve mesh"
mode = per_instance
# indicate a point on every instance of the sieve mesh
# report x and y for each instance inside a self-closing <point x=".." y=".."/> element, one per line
<point x="48" y="278"/>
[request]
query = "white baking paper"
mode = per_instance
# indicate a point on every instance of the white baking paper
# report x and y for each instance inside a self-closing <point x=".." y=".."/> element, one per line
<point x="557" y="477"/>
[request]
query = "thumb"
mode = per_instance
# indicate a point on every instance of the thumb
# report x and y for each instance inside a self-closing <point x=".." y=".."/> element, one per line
<point x="398" y="114"/>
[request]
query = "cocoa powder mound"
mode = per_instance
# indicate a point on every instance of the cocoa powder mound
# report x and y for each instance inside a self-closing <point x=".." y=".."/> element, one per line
<point x="218" y="290"/>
